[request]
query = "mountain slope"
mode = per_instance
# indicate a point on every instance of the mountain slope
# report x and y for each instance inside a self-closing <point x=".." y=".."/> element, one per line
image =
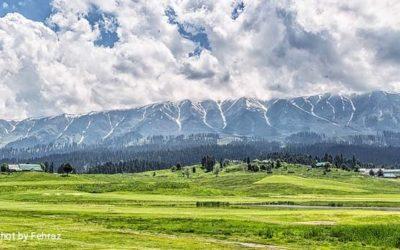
<point x="333" y="115"/>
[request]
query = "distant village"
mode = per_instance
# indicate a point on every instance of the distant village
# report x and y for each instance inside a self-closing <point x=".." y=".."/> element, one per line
<point x="376" y="172"/>
<point x="27" y="167"/>
<point x="22" y="168"/>
<point x="381" y="172"/>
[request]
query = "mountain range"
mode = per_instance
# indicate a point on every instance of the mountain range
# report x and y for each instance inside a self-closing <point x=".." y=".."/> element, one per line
<point x="329" y="114"/>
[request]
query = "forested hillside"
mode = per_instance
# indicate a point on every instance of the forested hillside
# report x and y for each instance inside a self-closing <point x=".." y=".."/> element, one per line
<point x="157" y="156"/>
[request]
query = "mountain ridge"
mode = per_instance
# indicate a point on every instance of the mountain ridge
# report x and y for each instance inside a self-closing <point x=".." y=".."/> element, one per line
<point x="334" y="115"/>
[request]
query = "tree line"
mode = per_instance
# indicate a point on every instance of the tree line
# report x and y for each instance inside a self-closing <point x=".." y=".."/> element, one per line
<point x="152" y="157"/>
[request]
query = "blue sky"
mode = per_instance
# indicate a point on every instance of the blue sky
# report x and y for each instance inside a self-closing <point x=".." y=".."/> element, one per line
<point x="107" y="38"/>
<point x="191" y="32"/>
<point x="37" y="10"/>
<point x="40" y="10"/>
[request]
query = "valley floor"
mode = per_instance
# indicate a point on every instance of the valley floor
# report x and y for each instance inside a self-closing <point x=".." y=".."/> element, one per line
<point x="293" y="208"/>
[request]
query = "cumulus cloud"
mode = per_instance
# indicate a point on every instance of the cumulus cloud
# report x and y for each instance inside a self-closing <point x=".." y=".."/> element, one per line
<point x="93" y="54"/>
<point x="384" y="42"/>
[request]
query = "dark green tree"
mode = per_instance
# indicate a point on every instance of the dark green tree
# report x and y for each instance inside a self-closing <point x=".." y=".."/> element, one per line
<point x="67" y="169"/>
<point x="371" y="173"/>
<point x="209" y="163"/>
<point x="379" y="173"/>
<point x="46" y="167"/>
<point x="4" y="168"/>
<point x="51" y="168"/>
<point x="60" y="169"/>
<point x="353" y="161"/>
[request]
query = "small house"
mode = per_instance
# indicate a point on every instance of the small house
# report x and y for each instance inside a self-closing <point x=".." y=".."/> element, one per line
<point x="31" y="167"/>
<point x="322" y="164"/>
<point x="14" y="168"/>
<point x="389" y="175"/>
<point x="25" y="168"/>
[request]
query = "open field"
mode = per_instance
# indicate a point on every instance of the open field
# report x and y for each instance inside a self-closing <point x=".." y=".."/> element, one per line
<point x="235" y="210"/>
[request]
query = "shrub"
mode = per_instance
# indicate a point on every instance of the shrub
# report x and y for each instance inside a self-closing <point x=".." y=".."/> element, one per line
<point x="216" y="170"/>
<point x="212" y="204"/>
<point x="397" y="243"/>
<point x="267" y="233"/>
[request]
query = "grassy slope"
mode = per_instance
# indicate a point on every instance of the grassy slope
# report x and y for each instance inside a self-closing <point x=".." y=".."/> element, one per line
<point x="146" y="211"/>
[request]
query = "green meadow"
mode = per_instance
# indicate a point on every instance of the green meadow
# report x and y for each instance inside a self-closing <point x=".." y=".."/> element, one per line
<point x="292" y="208"/>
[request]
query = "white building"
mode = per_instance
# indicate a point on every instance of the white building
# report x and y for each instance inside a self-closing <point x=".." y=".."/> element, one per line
<point x="25" y="167"/>
<point x="387" y="173"/>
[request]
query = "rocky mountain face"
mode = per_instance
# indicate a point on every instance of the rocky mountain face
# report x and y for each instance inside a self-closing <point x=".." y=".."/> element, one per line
<point x="329" y="114"/>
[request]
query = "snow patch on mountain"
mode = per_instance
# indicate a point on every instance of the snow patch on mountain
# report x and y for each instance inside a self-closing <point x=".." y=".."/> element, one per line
<point x="338" y="115"/>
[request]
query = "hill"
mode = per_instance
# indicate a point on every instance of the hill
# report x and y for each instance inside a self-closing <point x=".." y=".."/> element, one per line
<point x="294" y="207"/>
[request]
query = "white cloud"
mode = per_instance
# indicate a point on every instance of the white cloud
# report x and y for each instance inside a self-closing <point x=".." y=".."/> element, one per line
<point x="273" y="48"/>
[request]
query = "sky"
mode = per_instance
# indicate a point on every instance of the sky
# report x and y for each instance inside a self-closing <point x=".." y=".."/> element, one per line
<point x="77" y="56"/>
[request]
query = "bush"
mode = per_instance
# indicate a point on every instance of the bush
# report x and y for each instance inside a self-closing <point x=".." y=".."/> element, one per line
<point x="234" y="168"/>
<point x="253" y="168"/>
<point x="313" y="233"/>
<point x="335" y="204"/>
<point x="212" y="204"/>
<point x="216" y="170"/>
<point x="267" y="233"/>
<point x="397" y="243"/>
<point x="187" y="173"/>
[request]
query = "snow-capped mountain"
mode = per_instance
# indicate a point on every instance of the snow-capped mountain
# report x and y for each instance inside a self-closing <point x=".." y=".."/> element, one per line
<point x="332" y="115"/>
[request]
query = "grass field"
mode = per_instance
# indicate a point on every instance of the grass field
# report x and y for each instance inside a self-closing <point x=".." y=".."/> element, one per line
<point x="290" y="209"/>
